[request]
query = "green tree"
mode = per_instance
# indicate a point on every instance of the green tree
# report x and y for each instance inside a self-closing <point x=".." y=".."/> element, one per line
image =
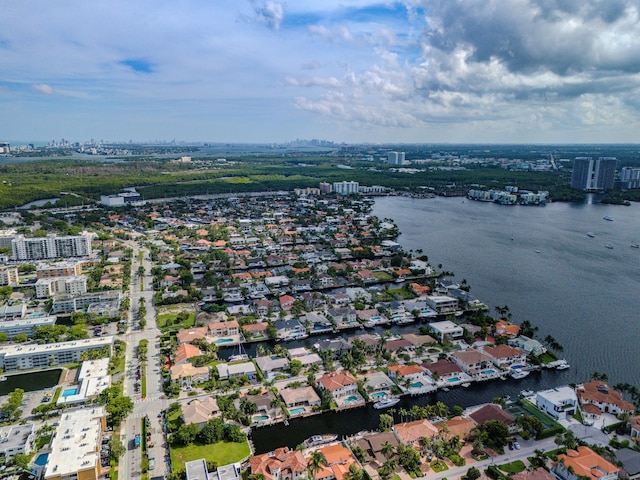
<point x="295" y="366"/>
<point x="472" y="474"/>
<point x="315" y="463"/>
<point x="387" y="450"/>
<point x="117" y="447"/>
<point x="386" y="421"/>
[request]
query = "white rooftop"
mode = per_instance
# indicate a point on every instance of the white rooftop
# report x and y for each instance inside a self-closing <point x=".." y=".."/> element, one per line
<point x="19" y="349"/>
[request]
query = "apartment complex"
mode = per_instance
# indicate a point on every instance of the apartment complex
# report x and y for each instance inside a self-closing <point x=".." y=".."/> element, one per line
<point x="58" y="269"/>
<point x="9" y="276"/>
<point x="51" y="246"/>
<point x="590" y="174"/>
<point x="48" y="287"/>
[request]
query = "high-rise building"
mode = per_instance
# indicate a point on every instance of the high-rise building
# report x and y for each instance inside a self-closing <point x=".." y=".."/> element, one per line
<point x="346" y="188"/>
<point x="630" y="177"/>
<point x="51" y="246"/>
<point x="395" y="158"/>
<point x="590" y="174"/>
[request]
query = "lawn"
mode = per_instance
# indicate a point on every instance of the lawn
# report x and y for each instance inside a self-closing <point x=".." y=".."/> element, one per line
<point x="221" y="453"/>
<point x="382" y="276"/>
<point x="513" y="467"/>
<point x="165" y="320"/>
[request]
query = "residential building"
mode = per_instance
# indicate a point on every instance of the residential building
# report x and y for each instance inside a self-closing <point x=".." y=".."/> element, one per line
<point x="630" y="461"/>
<point x="396" y="158"/>
<point x="412" y="432"/>
<point x="26" y="325"/>
<point x="442" y="304"/>
<point x="24" y="357"/>
<point x="200" y="410"/>
<point x="9" y="276"/>
<point x="505" y="356"/>
<point x="48" y="287"/>
<point x="604" y="398"/>
<point x="184" y="352"/>
<point x="492" y="411"/>
<point x="186" y="374"/>
<point x="93" y="379"/>
<point x="583" y="463"/>
<point x="338" y="459"/>
<point x="559" y="402"/>
<point x="226" y="370"/>
<point x="300" y="397"/>
<point x="15" y="439"/>
<point x="527" y="344"/>
<point x="346" y="188"/>
<point x="590" y="174"/>
<point x="338" y="383"/>
<point x="446" y="330"/>
<point x="197" y="469"/>
<point x="58" y="269"/>
<point x="99" y="303"/>
<point x="280" y="464"/>
<point x="75" y="449"/>
<point x="51" y="246"/>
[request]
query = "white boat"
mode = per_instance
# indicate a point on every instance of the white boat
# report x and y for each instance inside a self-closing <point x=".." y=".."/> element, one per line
<point x="3" y="378"/>
<point x="233" y="297"/>
<point x="369" y="324"/>
<point x="518" y="374"/>
<point x="526" y="393"/>
<point x="591" y="234"/>
<point x="635" y="245"/>
<point x="445" y="389"/>
<point x="608" y="218"/>
<point x="238" y="357"/>
<point x="316" y="440"/>
<point x="563" y="366"/>
<point x="466" y="384"/>
<point x="386" y="403"/>
<point x="610" y="247"/>
<point x="537" y="251"/>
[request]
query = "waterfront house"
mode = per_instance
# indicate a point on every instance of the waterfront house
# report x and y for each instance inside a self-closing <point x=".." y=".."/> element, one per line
<point x="286" y="302"/>
<point x="474" y="362"/>
<point x="288" y="329"/>
<point x="506" y="329"/>
<point x="442" y="304"/>
<point x="264" y="402"/>
<point x="559" y="402"/>
<point x="226" y="370"/>
<point x="269" y="365"/>
<point x="630" y="461"/>
<point x="262" y="306"/>
<point x="343" y="317"/>
<point x="339" y="384"/>
<point x="373" y="444"/>
<point x="184" y="352"/>
<point x="280" y="464"/>
<point x="505" y="356"/>
<point x="223" y="329"/>
<point x="605" y="398"/>
<point x="583" y="463"/>
<point x="187" y="375"/>
<point x="460" y="426"/>
<point x="255" y="331"/>
<point x="190" y="334"/>
<point x="446" y="331"/>
<point x="492" y="411"/>
<point x="199" y="411"/>
<point x="306" y="357"/>
<point x="527" y="344"/>
<point x="317" y="322"/>
<point x="337" y="346"/>
<point x="410" y="433"/>
<point x="375" y="382"/>
<point x="300" y="397"/>
<point x="443" y="369"/>
<point x="338" y="459"/>
<point x="371" y="315"/>
<point x="634" y="422"/>
<point x="405" y="373"/>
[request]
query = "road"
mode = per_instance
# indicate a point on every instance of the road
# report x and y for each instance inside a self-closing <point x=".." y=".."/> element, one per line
<point x="155" y="400"/>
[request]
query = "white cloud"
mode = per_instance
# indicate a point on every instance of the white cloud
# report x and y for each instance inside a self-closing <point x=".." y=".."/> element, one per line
<point x="43" y="88"/>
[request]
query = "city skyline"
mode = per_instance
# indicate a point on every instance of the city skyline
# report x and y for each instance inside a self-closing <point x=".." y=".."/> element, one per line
<point x="258" y="71"/>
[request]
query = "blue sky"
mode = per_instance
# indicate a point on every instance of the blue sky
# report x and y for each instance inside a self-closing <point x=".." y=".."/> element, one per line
<point x="513" y="71"/>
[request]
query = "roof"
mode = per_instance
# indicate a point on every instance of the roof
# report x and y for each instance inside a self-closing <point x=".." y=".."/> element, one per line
<point x="336" y="380"/>
<point x="404" y="370"/>
<point x="281" y="459"/>
<point x="460" y="426"/>
<point x="410" y="432"/>
<point x="292" y="396"/>
<point x="199" y="410"/>
<point x="338" y="459"/>
<point x="491" y="412"/>
<point x="186" y="351"/>
<point x="630" y="460"/>
<point x="504" y="351"/>
<point x="190" y="334"/>
<point x="442" y="367"/>
<point x="600" y="392"/>
<point x="586" y="462"/>
<point x="187" y="370"/>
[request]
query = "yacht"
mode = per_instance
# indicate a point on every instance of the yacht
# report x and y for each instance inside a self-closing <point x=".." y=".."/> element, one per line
<point x="3" y="378"/>
<point x="526" y="393"/>
<point x="316" y="440"/>
<point x="386" y="403"/>
<point x="591" y="234"/>
<point x="563" y="366"/>
<point x="635" y="245"/>
<point x="518" y="374"/>
<point x="610" y="247"/>
<point x="609" y="218"/>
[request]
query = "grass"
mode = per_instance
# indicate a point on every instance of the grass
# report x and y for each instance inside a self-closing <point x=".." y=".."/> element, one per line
<point x="382" y="276"/>
<point x="42" y="441"/>
<point x="56" y="395"/>
<point x="222" y="453"/>
<point x="513" y="467"/>
<point x="174" y="421"/>
<point x="113" y="473"/>
<point x="165" y="320"/>
<point x="438" y="465"/>
<point x="117" y="365"/>
<point x="143" y="383"/>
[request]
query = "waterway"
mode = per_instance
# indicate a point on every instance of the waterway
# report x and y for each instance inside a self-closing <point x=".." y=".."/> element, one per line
<point x="30" y="381"/>
<point x="538" y="261"/>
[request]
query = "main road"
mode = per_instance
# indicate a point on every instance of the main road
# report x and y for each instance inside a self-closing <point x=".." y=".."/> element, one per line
<point x="155" y="401"/>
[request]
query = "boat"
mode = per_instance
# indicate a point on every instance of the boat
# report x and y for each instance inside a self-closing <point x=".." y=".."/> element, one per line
<point x="526" y="393"/>
<point x="591" y="234"/>
<point x="386" y="403"/>
<point x="563" y="366"/>
<point x="518" y="374"/>
<point x="610" y="247"/>
<point x="609" y="218"/>
<point x="240" y="355"/>
<point x="316" y="440"/>
<point x="466" y="384"/>
<point x="445" y="389"/>
<point x="369" y="324"/>
<point x="635" y="245"/>
<point x="537" y="251"/>
<point x="3" y="378"/>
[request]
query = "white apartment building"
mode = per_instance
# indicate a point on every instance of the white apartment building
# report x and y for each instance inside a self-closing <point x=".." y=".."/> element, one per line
<point x="24" y="357"/>
<point x="9" y="276"/>
<point x="48" y="287"/>
<point x="346" y="188"/>
<point x="51" y="246"/>
<point x="26" y="324"/>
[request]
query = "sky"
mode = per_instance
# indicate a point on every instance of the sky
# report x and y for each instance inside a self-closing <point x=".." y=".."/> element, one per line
<point x="353" y="71"/>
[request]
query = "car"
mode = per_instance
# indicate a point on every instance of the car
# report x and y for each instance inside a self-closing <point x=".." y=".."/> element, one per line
<point x="516" y="445"/>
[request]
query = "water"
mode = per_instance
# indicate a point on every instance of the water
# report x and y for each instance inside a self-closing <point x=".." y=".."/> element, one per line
<point x="69" y="392"/>
<point x="575" y="289"/>
<point x="30" y="382"/>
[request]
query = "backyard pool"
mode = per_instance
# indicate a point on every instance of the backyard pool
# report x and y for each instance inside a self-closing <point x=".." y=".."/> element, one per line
<point x="453" y="379"/>
<point x="351" y="399"/>
<point x="68" y="392"/>
<point x="417" y="385"/>
<point x="489" y="371"/>
<point x="223" y="340"/>
<point x="379" y="395"/>
<point x="260" y="418"/>
<point x="297" y="410"/>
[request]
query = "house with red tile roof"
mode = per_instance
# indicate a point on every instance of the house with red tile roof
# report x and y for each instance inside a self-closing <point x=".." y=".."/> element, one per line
<point x="190" y="334"/>
<point x="507" y="329"/>
<point x="339" y="383"/>
<point x="338" y="459"/>
<point x="184" y="352"/>
<point x="506" y="356"/>
<point x="493" y="412"/>
<point x="286" y="302"/>
<point x="409" y="433"/>
<point x="280" y="464"/>
<point x="584" y="463"/>
<point x="604" y="398"/>
<point x="405" y="372"/>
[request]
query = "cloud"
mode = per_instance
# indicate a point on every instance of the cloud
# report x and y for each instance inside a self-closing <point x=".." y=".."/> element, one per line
<point x="43" y="88"/>
<point x="269" y="12"/>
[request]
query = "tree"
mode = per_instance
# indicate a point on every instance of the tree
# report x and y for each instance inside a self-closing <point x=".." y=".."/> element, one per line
<point x="387" y="450"/>
<point x="472" y="474"/>
<point x="185" y="435"/>
<point x="117" y="447"/>
<point x="386" y="421"/>
<point x="530" y="426"/>
<point x="21" y="460"/>
<point x="315" y="463"/>
<point x="497" y="434"/>
<point x="212" y="432"/>
<point x="295" y="366"/>
<point x="118" y="408"/>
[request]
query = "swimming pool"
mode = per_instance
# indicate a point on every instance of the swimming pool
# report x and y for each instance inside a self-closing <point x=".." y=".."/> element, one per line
<point x="297" y="410"/>
<point x="489" y="371"/>
<point x="351" y="399"/>
<point x="68" y="392"/>
<point x="517" y="367"/>
<point x="223" y="340"/>
<point x="41" y="460"/>
<point x="379" y="394"/>
<point x="417" y="385"/>
<point x="260" y="418"/>
<point x="453" y="379"/>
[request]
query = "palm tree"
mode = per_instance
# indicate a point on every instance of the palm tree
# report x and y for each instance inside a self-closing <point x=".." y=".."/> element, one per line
<point x="387" y="450"/>
<point x="315" y="463"/>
